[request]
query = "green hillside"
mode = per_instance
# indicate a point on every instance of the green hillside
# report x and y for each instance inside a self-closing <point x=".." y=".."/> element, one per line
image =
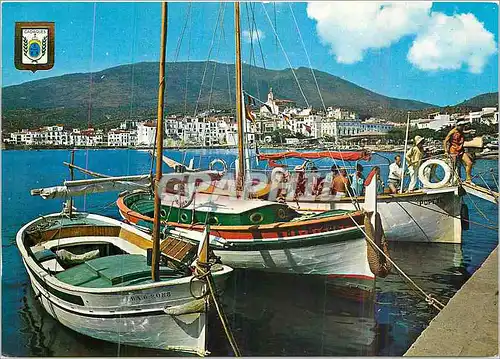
<point x="489" y="99"/>
<point x="128" y="91"/>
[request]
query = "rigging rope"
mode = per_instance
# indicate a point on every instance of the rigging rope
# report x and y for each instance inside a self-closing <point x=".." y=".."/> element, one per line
<point x="254" y="23"/>
<point x="286" y="56"/>
<point x="216" y="56"/>
<point x="187" y="66"/>
<point x="457" y="177"/>
<point x="90" y="96"/>
<point x="308" y="59"/>
<point x="208" y="58"/>
<point x="181" y="35"/>
<point x="258" y="36"/>
<point x="428" y="297"/>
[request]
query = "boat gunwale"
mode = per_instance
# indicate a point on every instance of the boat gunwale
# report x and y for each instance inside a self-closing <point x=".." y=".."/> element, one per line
<point x="58" y="284"/>
<point x="264" y="227"/>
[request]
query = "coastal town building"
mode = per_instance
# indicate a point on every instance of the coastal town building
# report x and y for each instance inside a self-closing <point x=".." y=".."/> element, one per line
<point x="122" y="138"/>
<point x="89" y="137"/>
<point x="218" y="128"/>
<point x="436" y="121"/>
<point x="146" y="132"/>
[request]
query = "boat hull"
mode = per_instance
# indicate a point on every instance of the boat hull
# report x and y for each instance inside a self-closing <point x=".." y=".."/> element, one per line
<point x="330" y="245"/>
<point x="153" y="329"/>
<point x="341" y="256"/>
<point x="344" y="262"/>
<point x="131" y="314"/>
<point x="431" y="216"/>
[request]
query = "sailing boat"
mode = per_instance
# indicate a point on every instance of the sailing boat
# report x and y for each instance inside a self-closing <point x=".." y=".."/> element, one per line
<point x="101" y="278"/>
<point x="425" y="215"/>
<point x="265" y="235"/>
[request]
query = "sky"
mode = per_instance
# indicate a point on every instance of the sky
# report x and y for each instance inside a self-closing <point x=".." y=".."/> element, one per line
<point x="440" y="53"/>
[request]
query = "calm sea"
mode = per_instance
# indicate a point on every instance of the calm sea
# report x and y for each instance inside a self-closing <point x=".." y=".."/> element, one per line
<point x="270" y="314"/>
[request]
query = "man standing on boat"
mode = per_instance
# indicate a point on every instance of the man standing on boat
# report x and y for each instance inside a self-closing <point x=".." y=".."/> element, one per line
<point x="341" y="184"/>
<point x="395" y="174"/>
<point x="357" y="181"/>
<point x="454" y="147"/>
<point x="334" y="172"/>
<point x="414" y="159"/>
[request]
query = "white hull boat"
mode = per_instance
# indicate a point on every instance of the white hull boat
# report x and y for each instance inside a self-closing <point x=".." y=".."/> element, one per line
<point x="341" y="257"/>
<point x="428" y="215"/>
<point x="91" y="274"/>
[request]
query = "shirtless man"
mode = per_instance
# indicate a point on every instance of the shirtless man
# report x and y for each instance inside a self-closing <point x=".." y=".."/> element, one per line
<point x="454" y="147"/>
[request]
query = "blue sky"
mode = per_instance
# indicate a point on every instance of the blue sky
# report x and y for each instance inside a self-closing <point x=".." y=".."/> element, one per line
<point x="441" y="53"/>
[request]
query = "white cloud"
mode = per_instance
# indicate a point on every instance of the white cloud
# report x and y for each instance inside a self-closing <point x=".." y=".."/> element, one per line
<point x="350" y="28"/>
<point x="249" y="37"/>
<point x="449" y="42"/>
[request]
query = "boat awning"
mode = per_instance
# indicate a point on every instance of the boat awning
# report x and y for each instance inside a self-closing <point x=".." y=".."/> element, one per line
<point x="334" y="155"/>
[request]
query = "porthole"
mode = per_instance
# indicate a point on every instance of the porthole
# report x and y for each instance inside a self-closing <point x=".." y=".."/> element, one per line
<point x="184" y="217"/>
<point x="212" y="220"/>
<point x="281" y="213"/>
<point x="163" y="213"/>
<point x="256" y="217"/>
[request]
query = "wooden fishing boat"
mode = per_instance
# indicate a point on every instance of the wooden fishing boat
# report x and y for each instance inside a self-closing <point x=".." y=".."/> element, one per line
<point x="91" y="274"/>
<point x="426" y="215"/>
<point x="108" y="280"/>
<point x="258" y="234"/>
<point x="265" y="235"/>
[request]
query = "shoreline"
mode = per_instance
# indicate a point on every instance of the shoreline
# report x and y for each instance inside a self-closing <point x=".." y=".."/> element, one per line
<point x="280" y="148"/>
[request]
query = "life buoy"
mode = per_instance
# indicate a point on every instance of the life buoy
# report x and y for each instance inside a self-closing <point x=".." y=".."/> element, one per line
<point x="220" y="161"/>
<point x="278" y="175"/>
<point x="425" y="181"/>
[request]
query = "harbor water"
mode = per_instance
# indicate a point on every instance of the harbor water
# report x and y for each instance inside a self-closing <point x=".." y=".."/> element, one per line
<point x="270" y="314"/>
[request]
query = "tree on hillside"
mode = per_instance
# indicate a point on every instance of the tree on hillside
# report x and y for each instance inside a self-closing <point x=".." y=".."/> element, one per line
<point x="278" y="136"/>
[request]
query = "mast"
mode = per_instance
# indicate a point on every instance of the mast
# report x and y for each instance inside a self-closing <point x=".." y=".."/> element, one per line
<point x="155" y="264"/>
<point x="72" y="177"/>
<point x="240" y="179"/>
<point x="404" y="152"/>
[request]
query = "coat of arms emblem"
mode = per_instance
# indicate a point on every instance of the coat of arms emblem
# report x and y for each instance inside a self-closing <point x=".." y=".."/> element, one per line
<point x="34" y="47"/>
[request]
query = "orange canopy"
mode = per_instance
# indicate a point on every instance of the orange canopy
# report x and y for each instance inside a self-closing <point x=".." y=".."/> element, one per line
<point x="339" y="155"/>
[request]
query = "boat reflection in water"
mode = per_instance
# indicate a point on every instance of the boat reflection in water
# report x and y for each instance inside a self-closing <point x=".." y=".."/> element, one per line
<point x="286" y="314"/>
<point x="401" y="314"/>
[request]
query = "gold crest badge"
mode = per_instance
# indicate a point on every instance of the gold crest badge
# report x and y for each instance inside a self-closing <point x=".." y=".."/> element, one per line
<point x="34" y="45"/>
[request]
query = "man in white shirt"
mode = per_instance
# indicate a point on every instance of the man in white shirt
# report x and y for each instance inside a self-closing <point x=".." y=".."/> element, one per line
<point x="395" y="174"/>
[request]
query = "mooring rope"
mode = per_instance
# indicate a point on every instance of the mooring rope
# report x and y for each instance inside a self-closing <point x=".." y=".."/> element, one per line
<point x="203" y="273"/>
<point x="494" y="179"/>
<point x="414" y="220"/>
<point x="428" y="297"/>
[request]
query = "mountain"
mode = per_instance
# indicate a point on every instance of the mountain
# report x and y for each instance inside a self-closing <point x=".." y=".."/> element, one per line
<point x="489" y="99"/>
<point x="131" y="90"/>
